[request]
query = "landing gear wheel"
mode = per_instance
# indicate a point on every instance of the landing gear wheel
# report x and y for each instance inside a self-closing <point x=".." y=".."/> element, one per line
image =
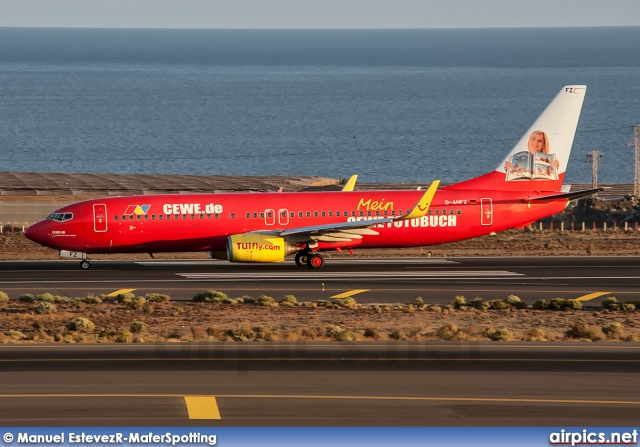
<point x="315" y="261"/>
<point x="85" y="265"/>
<point x="302" y="258"/>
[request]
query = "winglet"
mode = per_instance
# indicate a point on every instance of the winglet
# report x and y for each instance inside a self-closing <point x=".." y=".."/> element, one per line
<point x="351" y="183"/>
<point x="423" y="204"/>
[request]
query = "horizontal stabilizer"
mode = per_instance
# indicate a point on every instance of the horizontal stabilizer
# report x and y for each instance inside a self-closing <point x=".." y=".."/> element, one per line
<point x="567" y="195"/>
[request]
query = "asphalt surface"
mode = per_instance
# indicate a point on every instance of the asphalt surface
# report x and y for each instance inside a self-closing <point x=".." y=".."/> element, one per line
<point x="386" y="280"/>
<point x="321" y="384"/>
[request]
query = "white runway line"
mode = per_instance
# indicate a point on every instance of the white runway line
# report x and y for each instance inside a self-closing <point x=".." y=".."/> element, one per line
<point x="348" y="275"/>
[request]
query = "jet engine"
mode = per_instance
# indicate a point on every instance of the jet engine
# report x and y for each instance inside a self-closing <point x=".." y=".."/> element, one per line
<point x="258" y="247"/>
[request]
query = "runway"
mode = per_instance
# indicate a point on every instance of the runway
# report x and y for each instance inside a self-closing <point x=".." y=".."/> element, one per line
<point x="369" y="280"/>
<point x="321" y="384"/>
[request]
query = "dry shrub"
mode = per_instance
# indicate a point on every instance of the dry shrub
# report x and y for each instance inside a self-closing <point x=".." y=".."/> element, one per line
<point x="501" y="334"/>
<point x="138" y="326"/>
<point x="583" y="331"/>
<point x="210" y="296"/>
<point x="398" y="335"/>
<point x="313" y="333"/>
<point x="80" y="325"/>
<point x="614" y="331"/>
<point x="137" y="303"/>
<point x="447" y="332"/>
<point x="267" y="301"/>
<point x="44" y="308"/>
<point x="289" y="300"/>
<point x="535" y="334"/>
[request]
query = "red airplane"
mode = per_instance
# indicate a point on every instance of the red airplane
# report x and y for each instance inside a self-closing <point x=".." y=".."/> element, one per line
<point x="268" y="227"/>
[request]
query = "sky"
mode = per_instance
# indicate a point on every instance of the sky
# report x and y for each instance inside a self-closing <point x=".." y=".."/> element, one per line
<point x="313" y="14"/>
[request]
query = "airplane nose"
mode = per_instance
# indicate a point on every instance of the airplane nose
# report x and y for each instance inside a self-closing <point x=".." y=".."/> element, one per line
<point x="36" y="232"/>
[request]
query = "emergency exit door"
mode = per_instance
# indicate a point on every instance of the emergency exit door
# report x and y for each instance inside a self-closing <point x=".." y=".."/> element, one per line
<point x="99" y="218"/>
<point x="486" y="207"/>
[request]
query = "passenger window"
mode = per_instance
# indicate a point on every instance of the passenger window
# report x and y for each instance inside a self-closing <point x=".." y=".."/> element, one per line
<point x="208" y="216"/>
<point x="361" y="213"/>
<point x="248" y="215"/>
<point x="324" y="214"/>
<point x="437" y="212"/>
<point x="386" y="213"/>
<point x="255" y="215"/>
<point x="330" y="213"/>
<point x="300" y="214"/>
<point x="315" y="214"/>
<point x="131" y="217"/>
<point x="233" y="215"/>
<point x="292" y="214"/>
<point x="217" y="216"/>
<point x="261" y="215"/>
<point x="184" y="217"/>
<point x="160" y="216"/>
<point x="193" y="216"/>
<point x="429" y="212"/>
<point x="308" y="213"/>
<point x="153" y="217"/>
<point x="368" y="213"/>
<point x="146" y="217"/>
<point x="138" y="217"/>
<point x="337" y="213"/>
<point x="377" y="213"/>
<point x="450" y="211"/>
<point x="115" y="217"/>
<point x="459" y="212"/>
<point x="124" y="217"/>
<point x="201" y="216"/>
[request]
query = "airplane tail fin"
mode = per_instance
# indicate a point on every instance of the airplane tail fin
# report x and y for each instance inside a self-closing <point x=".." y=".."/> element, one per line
<point x="539" y="160"/>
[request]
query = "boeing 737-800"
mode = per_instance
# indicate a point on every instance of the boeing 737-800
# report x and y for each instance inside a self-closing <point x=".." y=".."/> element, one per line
<point x="267" y="227"/>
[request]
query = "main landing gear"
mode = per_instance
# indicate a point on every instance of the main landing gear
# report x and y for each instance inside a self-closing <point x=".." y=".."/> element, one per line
<point x="85" y="264"/>
<point x="311" y="260"/>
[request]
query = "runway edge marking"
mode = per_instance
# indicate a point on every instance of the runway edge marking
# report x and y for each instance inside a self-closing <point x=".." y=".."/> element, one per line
<point x="350" y="293"/>
<point x="202" y="407"/>
<point x="118" y="292"/>
<point x="591" y="296"/>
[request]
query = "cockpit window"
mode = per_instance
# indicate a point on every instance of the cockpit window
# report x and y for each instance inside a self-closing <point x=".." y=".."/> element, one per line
<point x="60" y="217"/>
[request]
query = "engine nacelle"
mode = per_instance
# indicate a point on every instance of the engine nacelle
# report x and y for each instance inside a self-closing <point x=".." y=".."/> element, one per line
<point x="257" y="247"/>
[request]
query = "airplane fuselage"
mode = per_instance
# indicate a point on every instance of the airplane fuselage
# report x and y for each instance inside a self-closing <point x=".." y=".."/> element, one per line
<point x="203" y="222"/>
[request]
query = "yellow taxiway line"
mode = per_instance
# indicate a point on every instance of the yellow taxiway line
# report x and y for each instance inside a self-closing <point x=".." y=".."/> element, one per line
<point x="118" y="292"/>
<point x="350" y="293"/>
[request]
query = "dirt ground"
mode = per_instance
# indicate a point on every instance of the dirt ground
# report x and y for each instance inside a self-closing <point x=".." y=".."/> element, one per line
<point x="144" y="321"/>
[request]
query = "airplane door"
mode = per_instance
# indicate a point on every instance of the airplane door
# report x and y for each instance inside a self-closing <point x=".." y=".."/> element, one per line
<point x="283" y="216"/>
<point x="486" y="207"/>
<point x="269" y="217"/>
<point x="99" y="218"/>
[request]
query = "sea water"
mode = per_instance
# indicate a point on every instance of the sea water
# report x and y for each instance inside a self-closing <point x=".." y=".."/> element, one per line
<point x="389" y="105"/>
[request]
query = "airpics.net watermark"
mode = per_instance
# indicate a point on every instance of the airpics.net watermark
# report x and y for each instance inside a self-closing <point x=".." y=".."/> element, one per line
<point x="590" y="437"/>
<point x="26" y="438"/>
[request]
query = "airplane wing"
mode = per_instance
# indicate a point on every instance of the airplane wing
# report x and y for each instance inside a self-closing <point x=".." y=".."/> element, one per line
<point x="349" y="231"/>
